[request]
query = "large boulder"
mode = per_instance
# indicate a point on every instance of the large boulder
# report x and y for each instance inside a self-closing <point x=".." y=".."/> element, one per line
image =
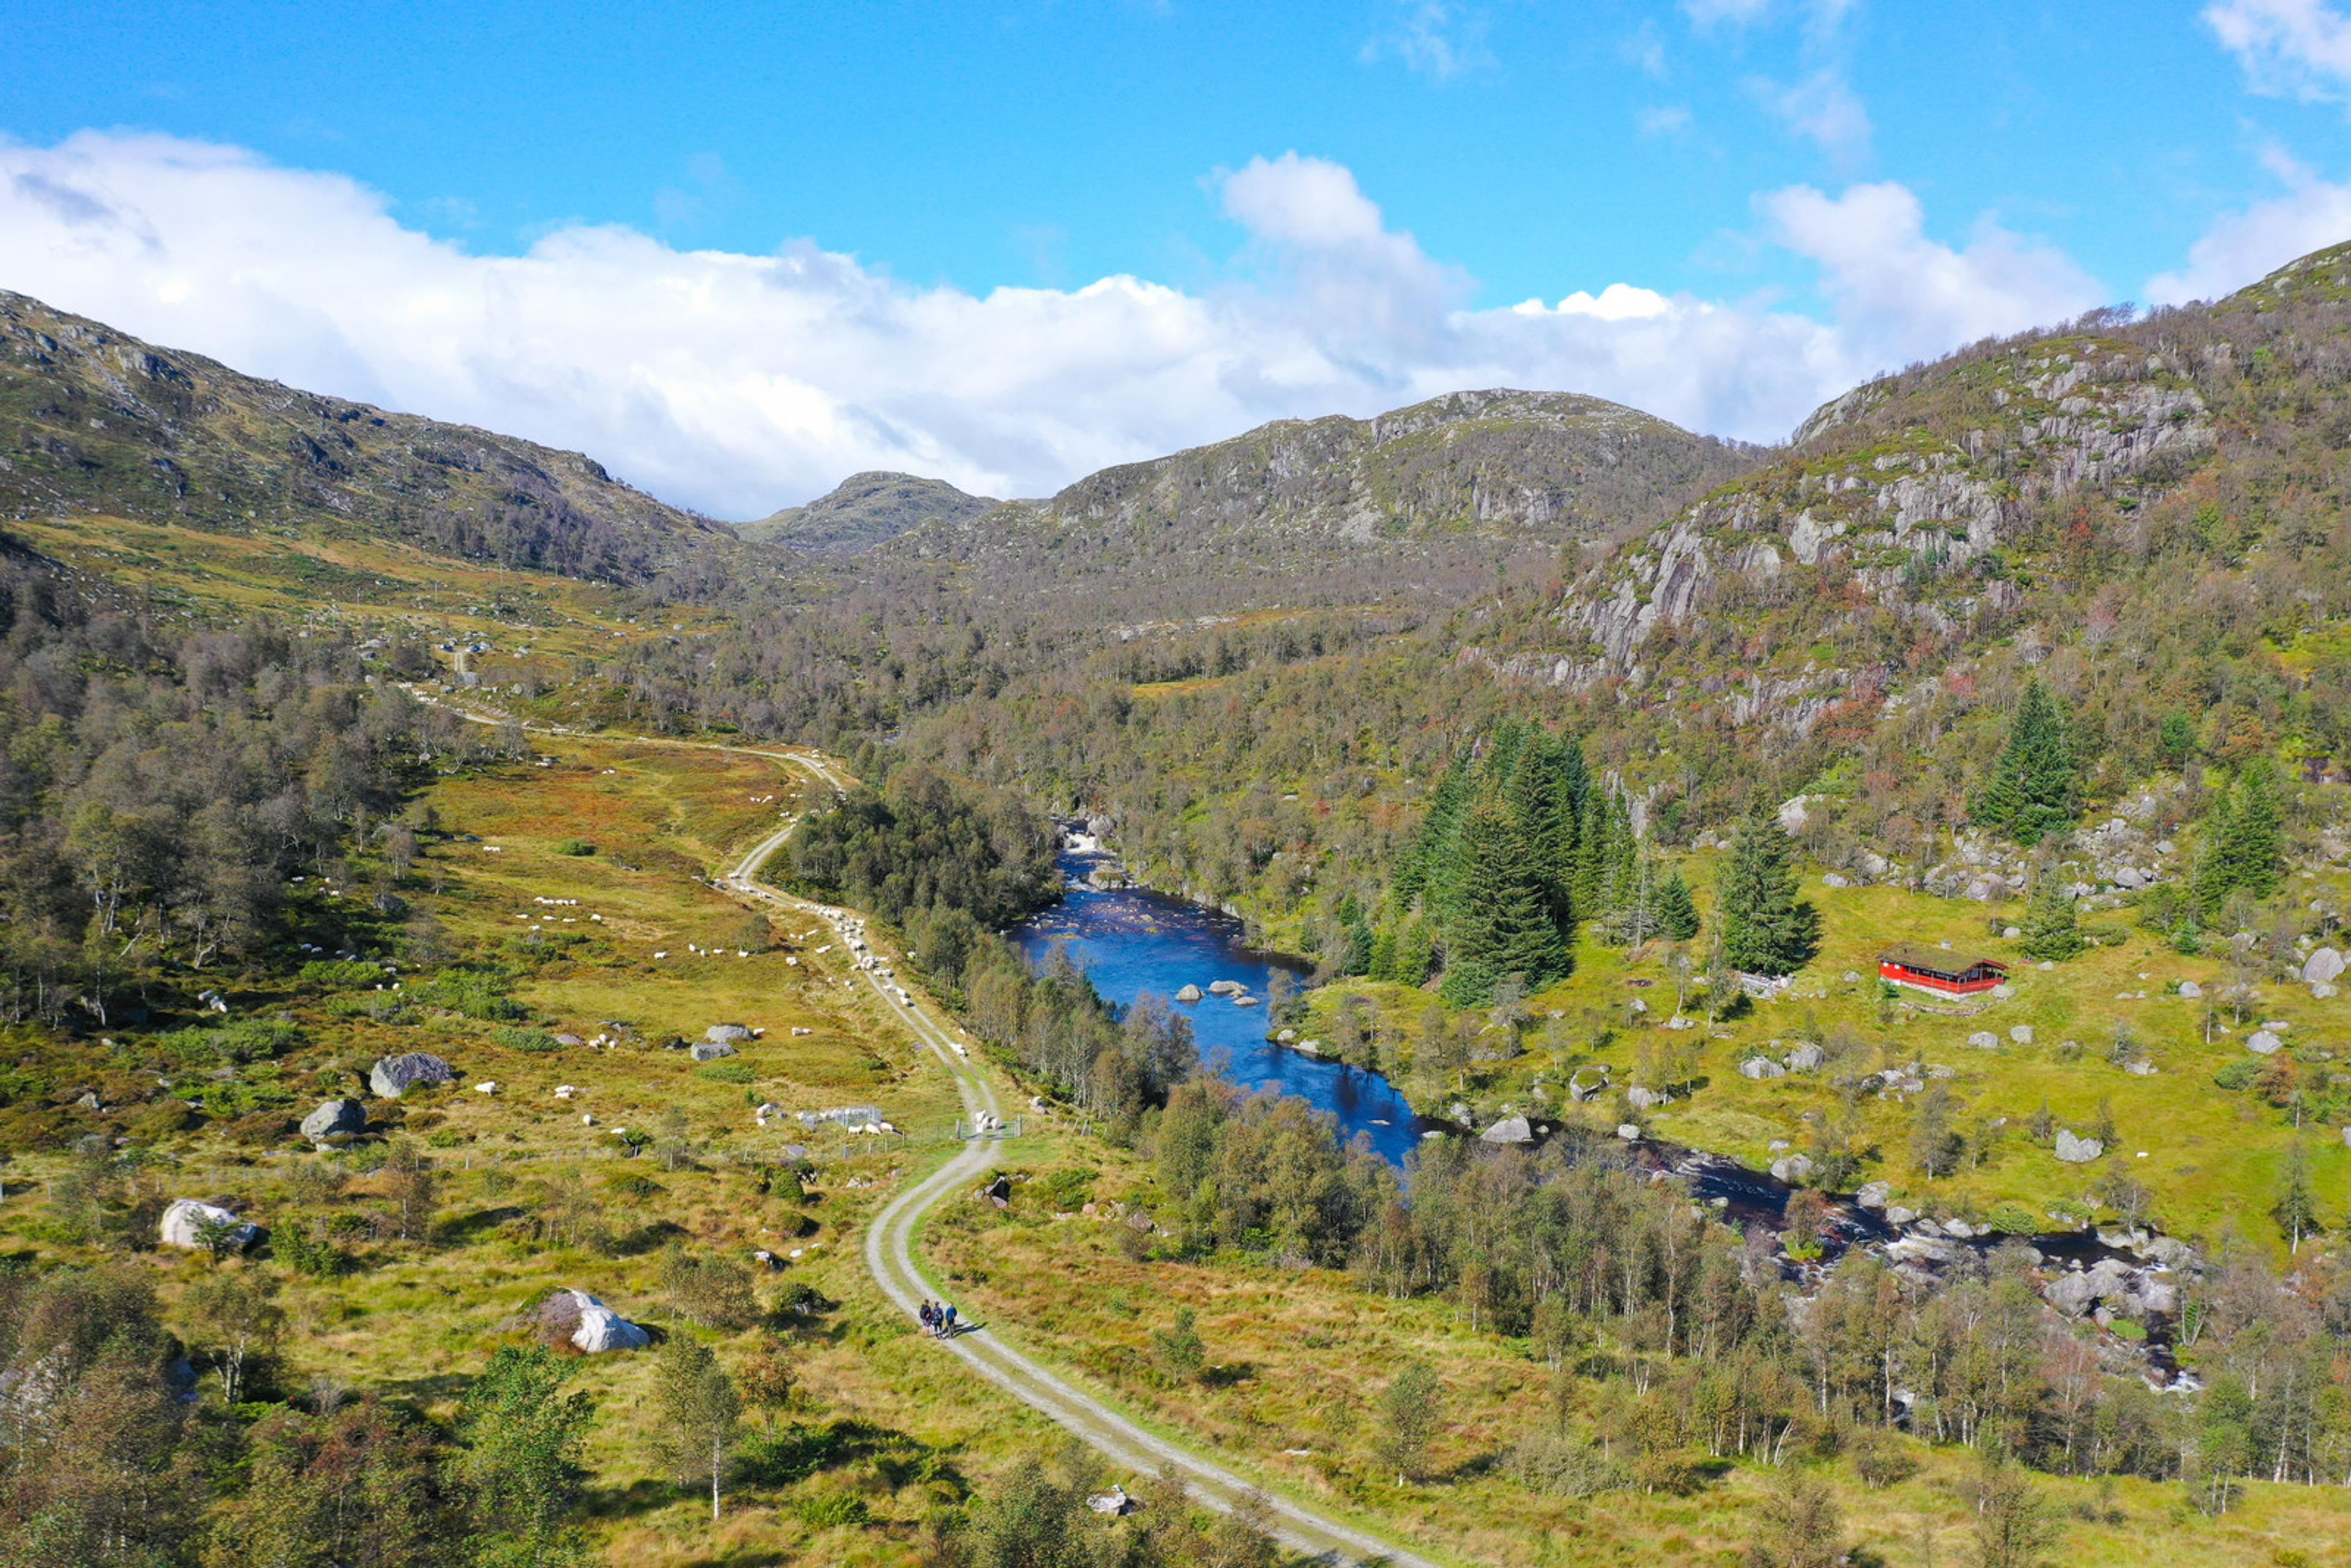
<point x="186" y="1220"/>
<point x="1873" y="1195"/>
<point x="2077" y="1150"/>
<point x="726" y="1033"/>
<point x="393" y="1076"/>
<point x="590" y="1325"/>
<point x="1580" y="1088"/>
<point x="333" y="1117"/>
<point x="2323" y="965"/>
<point x="1188" y="994"/>
<point x="1805" y="1057"/>
<point x="2263" y="1042"/>
<point x="709" y="1051"/>
<point x="1791" y="1168"/>
<point x="1984" y="1040"/>
<point x="1762" y="1067"/>
<point x="2190" y="990"/>
<point x="1508" y="1130"/>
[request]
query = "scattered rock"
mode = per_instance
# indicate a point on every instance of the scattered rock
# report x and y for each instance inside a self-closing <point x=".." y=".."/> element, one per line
<point x="2321" y="990"/>
<point x="1642" y="1099"/>
<point x="393" y="1076"/>
<point x="1759" y="1067"/>
<point x="1832" y="880"/>
<point x="709" y="1051"/>
<point x="2022" y="1034"/>
<point x="2011" y="933"/>
<point x="1851" y="976"/>
<point x="184" y="1221"/>
<point x="2077" y="1150"/>
<point x="726" y="1033"/>
<point x="568" y="1038"/>
<point x="1188" y="994"/>
<point x="1805" y="1057"/>
<point x="1580" y="1089"/>
<point x="1508" y="1130"/>
<point x="2324" y="964"/>
<point x="335" y="1116"/>
<point x="1226" y="988"/>
<point x="1895" y="1215"/>
<point x="1873" y="1195"/>
<point x="2190" y="989"/>
<point x="1627" y="1131"/>
<point x="1984" y="1040"/>
<point x="2003" y="992"/>
<point x="1791" y="1168"/>
<point x="2263" y="1043"/>
<point x="1286" y="1037"/>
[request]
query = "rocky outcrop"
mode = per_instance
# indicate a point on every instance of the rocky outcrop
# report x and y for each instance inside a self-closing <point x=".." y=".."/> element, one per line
<point x="2077" y="1151"/>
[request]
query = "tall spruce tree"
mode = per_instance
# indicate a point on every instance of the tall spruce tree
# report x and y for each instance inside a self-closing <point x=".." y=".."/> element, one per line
<point x="2241" y="848"/>
<point x="2050" y="930"/>
<point x="2031" y="793"/>
<point x="1676" y="910"/>
<point x="1765" y="928"/>
<point x="1500" y="924"/>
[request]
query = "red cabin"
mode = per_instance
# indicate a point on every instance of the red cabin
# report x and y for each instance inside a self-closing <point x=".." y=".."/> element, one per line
<point x="1946" y="974"/>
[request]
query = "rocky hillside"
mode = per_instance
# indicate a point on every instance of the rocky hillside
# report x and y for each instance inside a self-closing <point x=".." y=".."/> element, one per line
<point x="1427" y="499"/>
<point x="864" y="511"/>
<point x="95" y="420"/>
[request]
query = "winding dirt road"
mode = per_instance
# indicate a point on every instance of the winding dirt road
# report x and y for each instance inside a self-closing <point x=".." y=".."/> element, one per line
<point x="890" y="1241"/>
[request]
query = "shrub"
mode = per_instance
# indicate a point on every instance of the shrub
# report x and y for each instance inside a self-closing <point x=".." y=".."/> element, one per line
<point x="575" y="847"/>
<point x="514" y="1038"/>
<point x="305" y="1254"/>
<point x="1562" y="1464"/>
<point x="339" y="973"/>
<point x="472" y="992"/>
<point x="1880" y="1459"/>
<point x="2238" y="1074"/>
<point x="1067" y="1190"/>
<point x="833" y="1509"/>
<point x="727" y="1073"/>
<point x="2012" y="1217"/>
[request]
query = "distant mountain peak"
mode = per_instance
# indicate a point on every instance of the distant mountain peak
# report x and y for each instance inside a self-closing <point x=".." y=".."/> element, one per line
<point x="866" y="509"/>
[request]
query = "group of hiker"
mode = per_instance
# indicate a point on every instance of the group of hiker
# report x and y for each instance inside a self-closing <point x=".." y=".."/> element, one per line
<point x="939" y="1317"/>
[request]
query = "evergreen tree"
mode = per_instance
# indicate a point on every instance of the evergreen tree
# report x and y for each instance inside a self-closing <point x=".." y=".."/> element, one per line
<point x="1542" y="808"/>
<point x="2031" y="793"/>
<point x="2241" y="848"/>
<point x="1766" y="929"/>
<point x="1416" y="951"/>
<point x="2050" y="931"/>
<point x="1500" y="925"/>
<point x="1676" y="910"/>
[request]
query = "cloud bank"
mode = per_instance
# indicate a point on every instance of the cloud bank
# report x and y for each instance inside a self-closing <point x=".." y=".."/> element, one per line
<point x="737" y="384"/>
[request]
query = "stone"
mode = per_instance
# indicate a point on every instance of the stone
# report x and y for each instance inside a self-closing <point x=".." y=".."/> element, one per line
<point x="2322" y="991"/>
<point x="1832" y="880"/>
<point x="1984" y="1040"/>
<point x="569" y="1040"/>
<point x="183" y="1223"/>
<point x="1286" y="1037"/>
<point x="2022" y="1034"/>
<point x="334" y="1116"/>
<point x="591" y="1327"/>
<point x="1627" y="1131"/>
<point x="709" y="1051"/>
<point x="1851" y="976"/>
<point x="2011" y="933"/>
<point x="1245" y="1001"/>
<point x="2130" y="876"/>
<point x="726" y="1033"/>
<point x="2324" y="964"/>
<point x="1226" y="988"/>
<point x="1791" y="1168"/>
<point x="1978" y="891"/>
<point x="2190" y="990"/>
<point x="1873" y="1195"/>
<point x="2003" y="992"/>
<point x="2142" y="1068"/>
<point x="1805" y="1057"/>
<point x="393" y="1076"/>
<point x="2263" y="1042"/>
<point x="1871" y="863"/>
<point x="1508" y="1130"/>
<point x="1188" y="994"/>
<point x="1579" y="1089"/>
<point x="2075" y="1151"/>
<point x="1762" y="1067"/>
<point x="1895" y="1215"/>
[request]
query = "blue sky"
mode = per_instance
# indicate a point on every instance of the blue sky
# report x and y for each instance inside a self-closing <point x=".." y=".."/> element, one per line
<point x="737" y="251"/>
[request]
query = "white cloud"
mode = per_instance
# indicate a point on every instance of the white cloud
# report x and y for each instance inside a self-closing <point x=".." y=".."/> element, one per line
<point x="1910" y="295"/>
<point x="1824" y="110"/>
<point x="1663" y="120"/>
<point x="2243" y="246"/>
<point x="1436" y="39"/>
<point x="1712" y="13"/>
<point x="737" y="384"/>
<point x="2301" y="47"/>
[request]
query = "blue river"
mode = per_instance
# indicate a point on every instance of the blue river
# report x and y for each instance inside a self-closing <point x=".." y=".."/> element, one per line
<point x="1132" y="942"/>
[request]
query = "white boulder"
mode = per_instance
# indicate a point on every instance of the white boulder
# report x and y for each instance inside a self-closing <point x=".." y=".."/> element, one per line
<point x="187" y="1220"/>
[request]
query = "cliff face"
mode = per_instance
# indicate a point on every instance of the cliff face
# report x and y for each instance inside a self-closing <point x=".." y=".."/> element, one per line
<point x="94" y="421"/>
